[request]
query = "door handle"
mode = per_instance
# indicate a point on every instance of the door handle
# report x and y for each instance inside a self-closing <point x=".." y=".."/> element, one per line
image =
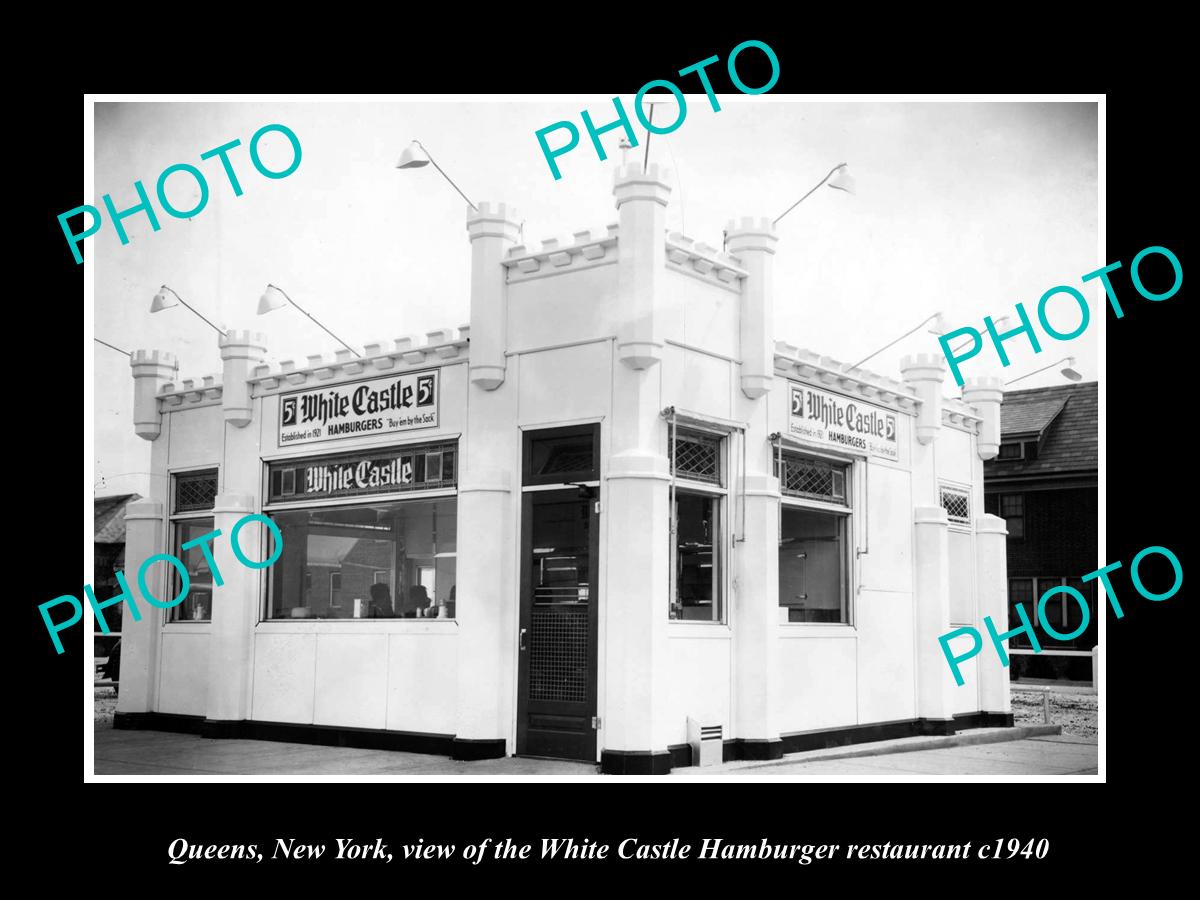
<point x="523" y="630"/>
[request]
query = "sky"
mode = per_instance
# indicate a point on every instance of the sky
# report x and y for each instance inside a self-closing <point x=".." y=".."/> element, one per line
<point x="961" y="208"/>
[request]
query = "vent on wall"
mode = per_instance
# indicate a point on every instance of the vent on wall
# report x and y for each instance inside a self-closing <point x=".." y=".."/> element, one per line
<point x="705" y="737"/>
<point x="957" y="504"/>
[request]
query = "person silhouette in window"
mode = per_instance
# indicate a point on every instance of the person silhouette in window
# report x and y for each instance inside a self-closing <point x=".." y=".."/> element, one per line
<point x="380" y="606"/>
<point x="418" y="600"/>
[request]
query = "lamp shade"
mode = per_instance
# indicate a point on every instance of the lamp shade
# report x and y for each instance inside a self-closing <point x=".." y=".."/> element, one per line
<point x="271" y="299"/>
<point x="413" y="157"/>
<point x="1069" y="372"/>
<point x="164" y="299"/>
<point x="843" y="181"/>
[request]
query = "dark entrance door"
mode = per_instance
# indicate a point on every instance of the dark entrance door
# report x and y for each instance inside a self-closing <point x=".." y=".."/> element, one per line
<point x="559" y="548"/>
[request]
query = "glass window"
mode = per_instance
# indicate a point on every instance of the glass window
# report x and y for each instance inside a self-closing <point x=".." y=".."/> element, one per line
<point x="1021" y="590"/>
<point x="812" y="565"/>
<point x="1012" y="509"/>
<point x="1010" y="450"/>
<point x="698" y="532"/>
<point x="192" y="501"/>
<point x="561" y="455"/>
<point x="375" y="561"/>
<point x="1073" y="616"/>
<point x="698" y="457"/>
<point x="814" y="479"/>
<point x="197" y="605"/>
<point x="697" y="558"/>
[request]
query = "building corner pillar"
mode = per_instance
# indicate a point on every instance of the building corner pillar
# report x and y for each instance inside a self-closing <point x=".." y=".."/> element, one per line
<point x="752" y="241"/>
<point x="152" y="369"/>
<point x="234" y="613"/>
<point x="139" y="639"/>
<point x="756" y="622"/>
<point x="484" y="506"/>
<point x="492" y="229"/>
<point x="934" y="681"/>
<point x="633" y="741"/>
<point x="641" y="198"/>
<point x="991" y="572"/>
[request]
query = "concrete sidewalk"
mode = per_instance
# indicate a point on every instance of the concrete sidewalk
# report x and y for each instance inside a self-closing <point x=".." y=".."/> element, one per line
<point x="977" y="752"/>
<point x="1047" y="754"/>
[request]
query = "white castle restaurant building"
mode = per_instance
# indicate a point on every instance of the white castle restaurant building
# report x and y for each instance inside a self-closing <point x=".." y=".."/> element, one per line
<point x="611" y="520"/>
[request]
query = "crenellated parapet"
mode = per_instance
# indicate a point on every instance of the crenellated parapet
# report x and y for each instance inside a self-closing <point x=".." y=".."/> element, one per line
<point x="707" y="263"/>
<point x="378" y="356"/>
<point x="586" y="249"/>
<point x="206" y="390"/>
<point x="793" y="361"/>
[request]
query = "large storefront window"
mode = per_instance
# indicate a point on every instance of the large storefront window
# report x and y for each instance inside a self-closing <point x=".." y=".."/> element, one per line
<point x="391" y="554"/>
<point x="813" y="539"/>
<point x="378" y="561"/>
<point x="193" y="496"/>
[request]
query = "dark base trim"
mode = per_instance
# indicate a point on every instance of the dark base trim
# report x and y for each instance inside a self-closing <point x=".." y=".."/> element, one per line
<point x="759" y="748"/>
<point x="799" y="741"/>
<point x="154" y="721"/>
<point x="470" y="749"/>
<point x="983" y="720"/>
<point x="733" y="750"/>
<point x="635" y="762"/>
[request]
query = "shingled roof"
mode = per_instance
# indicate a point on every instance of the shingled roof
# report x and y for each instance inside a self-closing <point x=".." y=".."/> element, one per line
<point x="1030" y="417"/>
<point x="1066" y="418"/>
<point x="109" y="513"/>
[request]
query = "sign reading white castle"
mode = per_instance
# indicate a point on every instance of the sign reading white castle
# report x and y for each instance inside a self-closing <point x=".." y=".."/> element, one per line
<point x="824" y="418"/>
<point x="379" y="406"/>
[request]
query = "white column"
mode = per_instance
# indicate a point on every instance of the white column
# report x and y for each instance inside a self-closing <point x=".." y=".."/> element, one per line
<point x="756" y="621"/>
<point x="151" y="370"/>
<point x="636" y="605"/>
<point x="234" y="613"/>
<point x="934" y="681"/>
<point x="493" y="229"/>
<point x="241" y="351"/>
<point x="485" y="605"/>
<point x="985" y="395"/>
<point x="139" y="639"/>
<point x="641" y="199"/>
<point x="924" y="374"/>
<point x="753" y="242"/>
<point x="991" y="569"/>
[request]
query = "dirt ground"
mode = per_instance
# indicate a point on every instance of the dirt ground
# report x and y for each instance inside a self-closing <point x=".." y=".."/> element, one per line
<point x="1075" y="710"/>
<point x="106" y="705"/>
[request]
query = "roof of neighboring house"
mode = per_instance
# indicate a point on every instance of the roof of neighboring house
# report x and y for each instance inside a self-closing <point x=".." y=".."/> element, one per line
<point x="1065" y="419"/>
<point x="1029" y="417"/>
<point x="110" y="517"/>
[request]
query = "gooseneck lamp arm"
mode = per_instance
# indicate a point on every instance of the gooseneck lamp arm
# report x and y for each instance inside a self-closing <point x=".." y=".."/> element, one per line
<point x="193" y="309"/>
<point x="444" y="175"/>
<point x="111" y="347"/>
<point x="1065" y="359"/>
<point x="806" y="196"/>
<point x="893" y="343"/>
<point x="318" y="324"/>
